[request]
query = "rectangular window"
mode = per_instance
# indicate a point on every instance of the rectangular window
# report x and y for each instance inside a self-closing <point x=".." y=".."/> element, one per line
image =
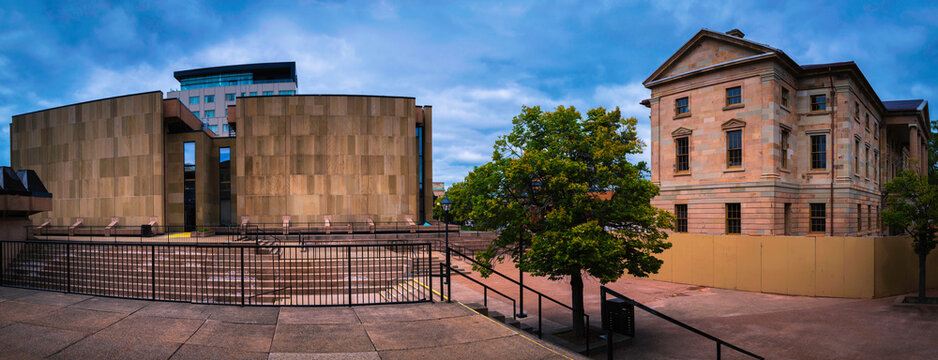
<point x="866" y="162"/>
<point x="786" y="97"/>
<point x="209" y="114"/>
<point x="193" y="100"/>
<point x="209" y="98"/>
<point x="224" y="185"/>
<point x="188" y="188"/>
<point x="286" y="92"/>
<point x="734" y="95"/>
<point x="784" y="146"/>
<point x="869" y="218"/>
<point x="196" y="113"/>
<point x="253" y="93"/>
<point x="819" y="152"/>
<point x="818" y="102"/>
<point x="680" y="213"/>
<point x="243" y="94"/>
<point x="733" y="218"/>
<point x="867" y="121"/>
<point x="214" y="128"/>
<point x="734" y="148"/>
<point x="682" y="106"/>
<point x="859" y="218"/>
<point x="787" y="229"/>
<point x="268" y="93"/>
<point x="230" y="97"/>
<point x="224" y="128"/>
<point x="856" y="110"/>
<point x="818" y="218"/>
<point x="683" y="154"/>
<point x="876" y="167"/>
<point x="856" y="157"/>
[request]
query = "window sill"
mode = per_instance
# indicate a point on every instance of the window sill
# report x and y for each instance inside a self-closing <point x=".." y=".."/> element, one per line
<point x="734" y="106"/>
<point x="681" y="116"/>
<point x="783" y="107"/>
<point x="784" y="170"/>
<point x="682" y="173"/>
<point x="734" y="169"/>
<point x="819" y="112"/>
<point x="817" y="171"/>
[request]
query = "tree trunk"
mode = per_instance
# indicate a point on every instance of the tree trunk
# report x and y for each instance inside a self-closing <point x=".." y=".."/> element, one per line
<point x="921" y="276"/>
<point x="576" y="285"/>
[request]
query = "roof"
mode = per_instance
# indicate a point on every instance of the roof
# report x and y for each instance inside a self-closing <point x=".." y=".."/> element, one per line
<point x="272" y="70"/>
<point x="904" y="105"/>
<point x="827" y="65"/>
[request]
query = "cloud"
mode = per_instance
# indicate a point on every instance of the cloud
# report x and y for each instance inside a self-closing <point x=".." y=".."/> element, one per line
<point x="628" y="97"/>
<point x="104" y="82"/>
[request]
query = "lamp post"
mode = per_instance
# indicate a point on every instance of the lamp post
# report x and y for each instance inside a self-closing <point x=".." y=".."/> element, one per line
<point x="447" y="204"/>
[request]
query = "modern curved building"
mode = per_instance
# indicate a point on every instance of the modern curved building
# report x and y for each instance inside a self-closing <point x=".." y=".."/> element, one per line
<point x="141" y="158"/>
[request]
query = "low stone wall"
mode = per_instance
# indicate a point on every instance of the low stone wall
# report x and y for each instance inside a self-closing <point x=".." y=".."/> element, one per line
<point x="848" y="267"/>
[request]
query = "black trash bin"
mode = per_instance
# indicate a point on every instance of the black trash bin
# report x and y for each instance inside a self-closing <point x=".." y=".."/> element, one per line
<point x="619" y="317"/>
<point x="146" y="230"/>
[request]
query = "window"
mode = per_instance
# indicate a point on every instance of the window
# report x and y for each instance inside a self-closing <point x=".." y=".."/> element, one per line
<point x="869" y="218"/>
<point x="866" y="161"/>
<point x="253" y="93"/>
<point x="230" y="97"/>
<point x="242" y="94"/>
<point x="819" y="152"/>
<point x="268" y="93"/>
<point x="786" y="97"/>
<point x="214" y="128"/>
<point x="196" y="113"/>
<point x="856" y="110"/>
<point x="209" y="114"/>
<point x="286" y="92"/>
<point x="680" y="213"/>
<point x="818" y="218"/>
<point x="188" y="192"/>
<point x="787" y="229"/>
<point x="867" y="121"/>
<point x="734" y="148"/>
<point x="683" y="154"/>
<point x="818" y="102"/>
<point x="784" y="145"/>
<point x="733" y="219"/>
<point x="224" y="128"/>
<point x="193" y="100"/>
<point x="224" y="185"/>
<point x="209" y="98"/>
<point x="226" y="112"/>
<point x="876" y="167"/>
<point x="682" y="106"/>
<point x="856" y="157"/>
<point x="734" y="96"/>
<point x="859" y="218"/>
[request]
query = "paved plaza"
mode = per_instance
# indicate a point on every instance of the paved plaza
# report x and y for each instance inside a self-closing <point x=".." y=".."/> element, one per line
<point x="42" y="324"/>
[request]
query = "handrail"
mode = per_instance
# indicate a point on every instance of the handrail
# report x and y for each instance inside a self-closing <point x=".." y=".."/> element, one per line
<point x="720" y="342"/>
<point x="514" y="305"/>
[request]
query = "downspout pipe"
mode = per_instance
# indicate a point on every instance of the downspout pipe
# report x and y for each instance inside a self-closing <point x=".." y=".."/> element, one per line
<point x="830" y="75"/>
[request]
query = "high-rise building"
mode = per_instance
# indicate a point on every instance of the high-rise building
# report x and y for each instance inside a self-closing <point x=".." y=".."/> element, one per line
<point x="207" y="92"/>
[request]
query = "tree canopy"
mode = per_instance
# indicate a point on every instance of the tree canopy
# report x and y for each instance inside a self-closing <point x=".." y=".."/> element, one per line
<point x="912" y="207"/>
<point x="566" y="200"/>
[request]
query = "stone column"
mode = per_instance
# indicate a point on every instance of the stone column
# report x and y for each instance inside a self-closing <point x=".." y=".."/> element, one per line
<point x="915" y="152"/>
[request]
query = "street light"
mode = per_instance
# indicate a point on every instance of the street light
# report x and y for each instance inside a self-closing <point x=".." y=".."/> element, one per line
<point x="447" y="204"/>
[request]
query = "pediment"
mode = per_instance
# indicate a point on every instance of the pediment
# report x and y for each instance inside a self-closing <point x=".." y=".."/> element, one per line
<point x="733" y="123"/>
<point x="705" y="49"/>
<point x="681" y="131"/>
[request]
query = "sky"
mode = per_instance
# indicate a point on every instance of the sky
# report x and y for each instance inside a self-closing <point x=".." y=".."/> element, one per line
<point x="476" y="62"/>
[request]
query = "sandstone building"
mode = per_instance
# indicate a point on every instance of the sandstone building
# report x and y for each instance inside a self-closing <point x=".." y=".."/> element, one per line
<point x="746" y="141"/>
<point x="142" y="158"/>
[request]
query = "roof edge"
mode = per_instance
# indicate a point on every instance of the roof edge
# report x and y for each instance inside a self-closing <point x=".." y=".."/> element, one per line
<point x="91" y="101"/>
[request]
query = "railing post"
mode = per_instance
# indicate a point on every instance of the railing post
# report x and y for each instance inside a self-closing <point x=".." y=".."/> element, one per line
<point x="587" y="342"/>
<point x="242" y="276"/>
<point x="153" y="272"/>
<point x="540" y="327"/>
<point x="449" y="279"/>
<point x="68" y="267"/>
<point x="520" y="313"/>
<point x="348" y="253"/>
<point x="719" y="351"/>
<point x="605" y="319"/>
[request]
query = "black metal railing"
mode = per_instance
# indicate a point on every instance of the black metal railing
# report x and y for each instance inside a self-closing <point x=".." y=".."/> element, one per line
<point x="241" y="274"/>
<point x="540" y="297"/>
<point x="607" y="326"/>
<point x="145" y="233"/>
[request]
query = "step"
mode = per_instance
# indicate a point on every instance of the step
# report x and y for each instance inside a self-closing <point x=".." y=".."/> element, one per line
<point x="497" y="316"/>
<point x="479" y="308"/>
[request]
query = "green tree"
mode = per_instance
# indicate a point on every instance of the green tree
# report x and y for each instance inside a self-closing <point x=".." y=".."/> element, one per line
<point x="567" y="201"/>
<point x="933" y="154"/>
<point x="912" y="206"/>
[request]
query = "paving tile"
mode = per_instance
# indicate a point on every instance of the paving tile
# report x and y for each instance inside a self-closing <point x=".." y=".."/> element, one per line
<point x="437" y="332"/>
<point x="53" y="298"/>
<point x="328" y="356"/>
<point x="151" y="329"/>
<point x="511" y="347"/>
<point x="33" y="341"/>
<point x="245" y="314"/>
<point x="410" y="312"/>
<point x="12" y="293"/>
<point x="77" y="319"/>
<point x="123" y="306"/>
<point x="12" y="311"/>
<point x="189" y="351"/>
<point x="242" y="337"/>
<point x="178" y="310"/>
<point x="318" y="315"/>
<point x="321" y="338"/>
<point x="105" y="348"/>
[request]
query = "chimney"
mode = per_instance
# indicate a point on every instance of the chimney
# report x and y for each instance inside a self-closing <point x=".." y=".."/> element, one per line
<point x="736" y="33"/>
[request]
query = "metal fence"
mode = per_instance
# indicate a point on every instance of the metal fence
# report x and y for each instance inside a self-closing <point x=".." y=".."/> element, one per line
<point x="241" y="274"/>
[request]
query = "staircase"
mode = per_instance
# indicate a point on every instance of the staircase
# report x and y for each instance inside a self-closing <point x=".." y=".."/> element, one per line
<point x="267" y="274"/>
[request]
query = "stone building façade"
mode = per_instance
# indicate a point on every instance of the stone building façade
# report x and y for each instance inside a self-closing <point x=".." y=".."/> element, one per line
<point x="744" y="140"/>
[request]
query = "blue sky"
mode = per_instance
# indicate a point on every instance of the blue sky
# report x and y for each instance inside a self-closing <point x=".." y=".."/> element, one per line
<point x="476" y="62"/>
